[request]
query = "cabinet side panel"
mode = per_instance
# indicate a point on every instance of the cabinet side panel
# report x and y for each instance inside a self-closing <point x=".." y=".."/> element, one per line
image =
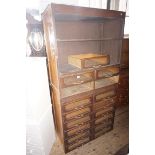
<point x="53" y="71"/>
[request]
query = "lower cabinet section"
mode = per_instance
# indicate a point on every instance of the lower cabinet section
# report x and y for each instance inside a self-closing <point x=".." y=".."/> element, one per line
<point x="86" y="118"/>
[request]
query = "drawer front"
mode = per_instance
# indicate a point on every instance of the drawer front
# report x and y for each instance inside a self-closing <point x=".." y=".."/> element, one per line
<point x="77" y="114"/>
<point x="78" y="122"/>
<point x="77" y="105"/>
<point x="78" y="143"/>
<point x="106" y="82"/>
<point x="78" y="136"/>
<point x="78" y="129"/>
<point x="107" y="72"/>
<point x="104" y="104"/>
<point x="104" y="120"/>
<point x="105" y="95"/>
<point x="103" y="131"/>
<point x="76" y="79"/>
<point x="96" y="61"/>
<point x="77" y="89"/>
<point x="107" y="113"/>
<point x="106" y="123"/>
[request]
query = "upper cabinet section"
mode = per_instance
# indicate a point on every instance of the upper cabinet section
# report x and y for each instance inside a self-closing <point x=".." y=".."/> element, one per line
<point x="80" y="30"/>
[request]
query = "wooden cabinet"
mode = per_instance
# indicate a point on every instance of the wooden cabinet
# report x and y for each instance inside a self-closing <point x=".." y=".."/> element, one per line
<point x="84" y="54"/>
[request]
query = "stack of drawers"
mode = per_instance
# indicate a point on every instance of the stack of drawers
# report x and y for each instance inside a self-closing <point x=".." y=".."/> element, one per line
<point x="87" y="102"/>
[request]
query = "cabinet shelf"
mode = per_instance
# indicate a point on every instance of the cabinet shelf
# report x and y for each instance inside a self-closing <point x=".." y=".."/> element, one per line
<point x="81" y="40"/>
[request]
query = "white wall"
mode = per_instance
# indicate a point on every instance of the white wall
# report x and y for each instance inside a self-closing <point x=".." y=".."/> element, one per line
<point x="40" y="132"/>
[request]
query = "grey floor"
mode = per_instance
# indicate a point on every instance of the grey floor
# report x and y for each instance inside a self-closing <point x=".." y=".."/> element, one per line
<point x="109" y="143"/>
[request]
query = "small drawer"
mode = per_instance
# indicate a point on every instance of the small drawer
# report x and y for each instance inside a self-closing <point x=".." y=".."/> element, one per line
<point x="106" y="123"/>
<point x="107" y="72"/>
<point x="78" y="104"/>
<point x="77" y="129"/>
<point x="77" y="114"/>
<point x="105" y="82"/>
<point x="77" y="89"/>
<point x="103" y="131"/>
<point x="104" y="120"/>
<point x="88" y="60"/>
<point x="78" y="122"/>
<point x="104" y="104"/>
<point x="76" y="79"/>
<point x="107" y="113"/>
<point x="77" y="137"/>
<point x="78" y="143"/>
<point x="105" y="95"/>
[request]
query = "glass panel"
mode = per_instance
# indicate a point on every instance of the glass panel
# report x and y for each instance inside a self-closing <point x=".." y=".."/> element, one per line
<point x="106" y="82"/>
<point x="77" y="89"/>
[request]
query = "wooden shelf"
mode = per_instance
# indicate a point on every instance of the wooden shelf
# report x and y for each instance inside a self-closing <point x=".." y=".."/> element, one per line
<point x="81" y="40"/>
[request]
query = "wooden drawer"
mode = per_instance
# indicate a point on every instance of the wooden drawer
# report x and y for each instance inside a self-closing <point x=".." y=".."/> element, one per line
<point x="78" y="143"/>
<point x="104" y="124"/>
<point x="78" y="122"/>
<point x="105" y="82"/>
<point x="107" y="72"/>
<point x="105" y="95"/>
<point x="78" y="89"/>
<point x="78" y="104"/>
<point x="78" y="129"/>
<point x="77" y="137"/>
<point x="76" y="79"/>
<point x="88" y="60"/>
<point x="77" y="114"/>
<point x="104" y="120"/>
<point x="103" y="131"/>
<point x="107" y="113"/>
<point x="105" y="104"/>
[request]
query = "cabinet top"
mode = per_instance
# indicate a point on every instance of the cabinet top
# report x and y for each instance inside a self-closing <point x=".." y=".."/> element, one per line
<point x="61" y="10"/>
